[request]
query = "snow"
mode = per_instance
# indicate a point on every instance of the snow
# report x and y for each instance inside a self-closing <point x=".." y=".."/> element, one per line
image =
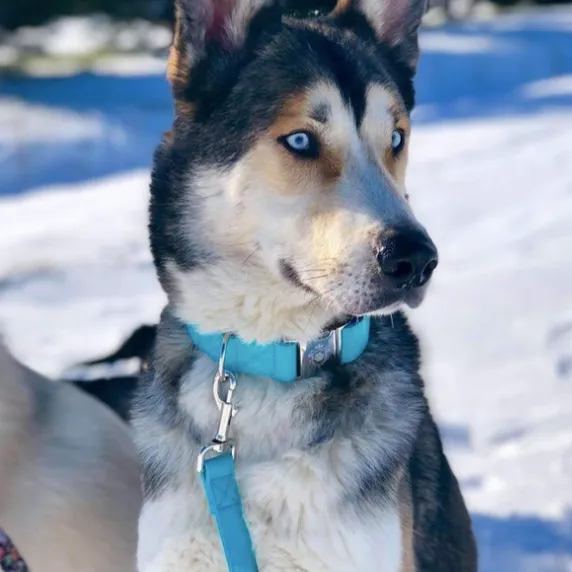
<point x="79" y="273"/>
<point x="67" y="35"/>
<point x="555" y="86"/>
<point x="85" y="35"/>
<point x="456" y="44"/>
<point x="490" y="176"/>
<point x="8" y="55"/>
<point x="504" y="227"/>
<point x="22" y="123"/>
<point x="549" y="18"/>
<point x="132" y="64"/>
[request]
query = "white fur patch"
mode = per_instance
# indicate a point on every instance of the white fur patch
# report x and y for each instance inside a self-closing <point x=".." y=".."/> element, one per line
<point x="340" y="130"/>
<point x="228" y="298"/>
<point x="378" y="122"/>
<point x="293" y="499"/>
<point x="294" y="520"/>
<point x="244" y="292"/>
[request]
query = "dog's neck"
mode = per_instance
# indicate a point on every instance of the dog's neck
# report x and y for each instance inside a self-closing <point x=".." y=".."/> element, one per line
<point x="335" y="401"/>
<point x="250" y="302"/>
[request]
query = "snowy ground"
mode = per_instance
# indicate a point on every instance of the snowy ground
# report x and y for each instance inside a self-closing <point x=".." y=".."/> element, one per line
<point x="491" y="176"/>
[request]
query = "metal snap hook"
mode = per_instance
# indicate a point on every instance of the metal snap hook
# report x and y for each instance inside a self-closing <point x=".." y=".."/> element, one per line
<point x="225" y="405"/>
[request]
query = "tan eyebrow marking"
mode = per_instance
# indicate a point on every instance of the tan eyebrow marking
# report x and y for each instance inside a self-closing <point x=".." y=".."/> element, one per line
<point x="402" y="122"/>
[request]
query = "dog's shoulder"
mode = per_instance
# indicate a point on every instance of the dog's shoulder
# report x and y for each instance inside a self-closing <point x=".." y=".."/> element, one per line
<point x="443" y="537"/>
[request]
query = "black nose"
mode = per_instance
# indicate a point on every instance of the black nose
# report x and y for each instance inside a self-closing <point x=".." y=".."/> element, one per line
<point x="407" y="256"/>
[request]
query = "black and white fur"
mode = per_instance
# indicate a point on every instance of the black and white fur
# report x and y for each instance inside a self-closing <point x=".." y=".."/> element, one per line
<point x="343" y="471"/>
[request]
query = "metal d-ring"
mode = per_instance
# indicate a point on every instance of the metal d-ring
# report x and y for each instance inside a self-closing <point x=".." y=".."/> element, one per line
<point x="222" y="355"/>
<point x="217" y="449"/>
<point x="222" y="376"/>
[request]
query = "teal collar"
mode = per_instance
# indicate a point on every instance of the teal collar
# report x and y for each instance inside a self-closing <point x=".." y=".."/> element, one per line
<point x="286" y="361"/>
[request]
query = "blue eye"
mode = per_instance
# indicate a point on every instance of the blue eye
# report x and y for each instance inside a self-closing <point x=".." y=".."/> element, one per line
<point x="397" y="140"/>
<point x="298" y="141"/>
<point x="301" y="143"/>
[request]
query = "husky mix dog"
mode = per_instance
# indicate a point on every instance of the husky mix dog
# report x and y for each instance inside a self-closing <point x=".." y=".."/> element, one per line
<point x="279" y="214"/>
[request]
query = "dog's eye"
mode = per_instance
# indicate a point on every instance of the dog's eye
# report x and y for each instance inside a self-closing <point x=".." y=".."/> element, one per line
<point x="298" y="141"/>
<point x="301" y="143"/>
<point x="397" y="141"/>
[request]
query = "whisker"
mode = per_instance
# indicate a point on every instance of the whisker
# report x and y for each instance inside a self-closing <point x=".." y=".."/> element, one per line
<point x="312" y="271"/>
<point x="309" y="278"/>
<point x="251" y="254"/>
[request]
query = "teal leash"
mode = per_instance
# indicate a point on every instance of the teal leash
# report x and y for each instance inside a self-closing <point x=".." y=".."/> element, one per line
<point x="221" y="489"/>
<point x="215" y="465"/>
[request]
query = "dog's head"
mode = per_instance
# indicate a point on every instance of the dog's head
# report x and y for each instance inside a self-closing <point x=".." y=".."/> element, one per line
<point x="278" y="198"/>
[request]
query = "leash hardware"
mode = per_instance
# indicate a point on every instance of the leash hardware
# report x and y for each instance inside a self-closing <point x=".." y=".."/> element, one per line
<point x="215" y="464"/>
<point x="221" y="443"/>
<point x="217" y="449"/>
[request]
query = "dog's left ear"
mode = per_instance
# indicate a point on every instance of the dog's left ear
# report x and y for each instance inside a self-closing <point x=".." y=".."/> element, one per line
<point x="203" y="23"/>
<point x="395" y="23"/>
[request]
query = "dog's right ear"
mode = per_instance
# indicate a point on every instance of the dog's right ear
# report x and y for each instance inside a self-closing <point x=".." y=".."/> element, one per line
<point x="394" y="22"/>
<point x="199" y="23"/>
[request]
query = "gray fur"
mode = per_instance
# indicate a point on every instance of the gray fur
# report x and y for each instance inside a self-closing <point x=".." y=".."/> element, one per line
<point x="373" y="190"/>
<point x="156" y="411"/>
<point x="375" y="403"/>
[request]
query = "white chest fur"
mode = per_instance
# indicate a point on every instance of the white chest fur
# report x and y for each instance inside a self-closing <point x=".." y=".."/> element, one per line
<point x="292" y="520"/>
<point x="293" y="498"/>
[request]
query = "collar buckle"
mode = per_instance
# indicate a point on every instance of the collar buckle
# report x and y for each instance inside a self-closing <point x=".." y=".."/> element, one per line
<point x="314" y="354"/>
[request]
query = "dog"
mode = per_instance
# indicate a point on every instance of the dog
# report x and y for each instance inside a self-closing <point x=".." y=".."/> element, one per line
<point x="69" y="475"/>
<point x="279" y="219"/>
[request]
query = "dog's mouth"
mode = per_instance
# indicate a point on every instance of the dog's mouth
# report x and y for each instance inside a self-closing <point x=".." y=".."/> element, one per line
<point x="394" y="303"/>
<point x="375" y="297"/>
<point x="382" y="301"/>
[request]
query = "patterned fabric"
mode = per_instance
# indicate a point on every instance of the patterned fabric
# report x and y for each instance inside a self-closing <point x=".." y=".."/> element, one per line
<point x="10" y="559"/>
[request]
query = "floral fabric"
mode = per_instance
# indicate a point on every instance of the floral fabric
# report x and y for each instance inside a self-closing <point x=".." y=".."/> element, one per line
<point x="10" y="559"/>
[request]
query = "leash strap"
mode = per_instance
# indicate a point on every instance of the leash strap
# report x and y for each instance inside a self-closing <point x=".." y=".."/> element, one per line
<point x="223" y="496"/>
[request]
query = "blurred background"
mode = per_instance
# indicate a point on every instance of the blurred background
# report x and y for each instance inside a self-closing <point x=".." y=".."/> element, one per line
<point x="83" y="102"/>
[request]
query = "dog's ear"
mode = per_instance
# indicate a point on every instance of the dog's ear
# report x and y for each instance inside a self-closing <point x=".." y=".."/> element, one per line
<point x="199" y="23"/>
<point x="395" y="22"/>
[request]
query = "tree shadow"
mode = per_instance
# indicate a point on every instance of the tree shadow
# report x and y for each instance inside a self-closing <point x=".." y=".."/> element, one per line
<point x="523" y="544"/>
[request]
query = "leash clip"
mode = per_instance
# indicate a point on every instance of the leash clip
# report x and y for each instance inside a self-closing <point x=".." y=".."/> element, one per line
<point x="221" y="443"/>
<point x="224" y="405"/>
<point x="215" y="465"/>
